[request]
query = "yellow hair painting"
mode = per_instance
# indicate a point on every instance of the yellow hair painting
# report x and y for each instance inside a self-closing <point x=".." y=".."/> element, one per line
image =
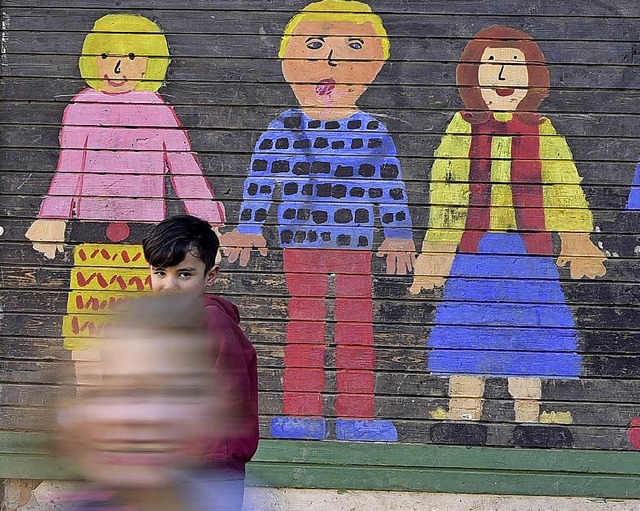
<point x="121" y="34"/>
<point x="337" y="10"/>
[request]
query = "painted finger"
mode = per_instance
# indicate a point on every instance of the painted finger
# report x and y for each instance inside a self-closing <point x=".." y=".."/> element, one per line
<point x="263" y="251"/>
<point x="232" y="254"/>
<point x="411" y="262"/>
<point x="391" y="264"/>
<point x="415" y="288"/>
<point x="401" y="264"/>
<point x="245" y="254"/>
<point x="49" y="251"/>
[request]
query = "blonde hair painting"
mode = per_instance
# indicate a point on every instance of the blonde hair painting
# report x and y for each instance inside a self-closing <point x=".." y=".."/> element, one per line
<point x="122" y="34"/>
<point x="351" y="11"/>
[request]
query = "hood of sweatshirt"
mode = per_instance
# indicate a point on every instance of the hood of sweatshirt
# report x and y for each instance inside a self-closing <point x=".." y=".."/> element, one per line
<point x="227" y="307"/>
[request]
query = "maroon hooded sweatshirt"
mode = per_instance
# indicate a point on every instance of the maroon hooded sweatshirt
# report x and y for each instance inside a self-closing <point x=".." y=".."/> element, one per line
<point x="235" y="364"/>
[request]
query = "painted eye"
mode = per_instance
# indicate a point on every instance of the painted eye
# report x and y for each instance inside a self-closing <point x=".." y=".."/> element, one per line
<point x="491" y="57"/>
<point x="356" y="45"/>
<point x="515" y="57"/>
<point x="132" y="56"/>
<point x="104" y="56"/>
<point x="314" y="45"/>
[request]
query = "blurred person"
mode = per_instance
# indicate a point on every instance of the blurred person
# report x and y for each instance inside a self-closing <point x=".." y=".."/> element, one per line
<point x="181" y="252"/>
<point x="136" y="433"/>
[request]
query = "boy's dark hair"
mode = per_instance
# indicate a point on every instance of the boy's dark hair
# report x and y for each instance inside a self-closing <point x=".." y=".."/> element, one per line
<point x="172" y="239"/>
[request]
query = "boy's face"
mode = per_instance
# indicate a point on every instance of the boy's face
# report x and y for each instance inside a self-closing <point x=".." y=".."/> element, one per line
<point x="332" y="64"/>
<point x="156" y="398"/>
<point x="187" y="276"/>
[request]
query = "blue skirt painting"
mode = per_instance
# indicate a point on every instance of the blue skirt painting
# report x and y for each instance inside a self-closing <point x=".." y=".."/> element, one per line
<point x="633" y="204"/>
<point x="504" y="314"/>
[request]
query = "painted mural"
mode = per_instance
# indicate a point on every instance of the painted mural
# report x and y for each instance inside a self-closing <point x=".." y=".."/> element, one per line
<point x="119" y="139"/>
<point x="503" y="181"/>
<point x="515" y="324"/>
<point x="336" y="166"/>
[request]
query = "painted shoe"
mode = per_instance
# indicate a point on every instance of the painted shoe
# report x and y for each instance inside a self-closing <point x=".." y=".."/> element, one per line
<point x="302" y="428"/>
<point x="362" y="430"/>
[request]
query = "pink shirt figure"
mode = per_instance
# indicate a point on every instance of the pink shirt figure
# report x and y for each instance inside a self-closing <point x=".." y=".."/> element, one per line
<point x="115" y="151"/>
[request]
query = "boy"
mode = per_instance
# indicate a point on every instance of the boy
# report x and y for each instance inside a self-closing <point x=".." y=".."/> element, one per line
<point x="154" y="396"/>
<point x="181" y="252"/>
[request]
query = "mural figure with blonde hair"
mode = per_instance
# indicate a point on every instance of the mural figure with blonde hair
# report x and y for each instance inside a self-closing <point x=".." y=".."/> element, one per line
<point x="337" y="167"/>
<point x="503" y="181"/>
<point x="118" y="141"/>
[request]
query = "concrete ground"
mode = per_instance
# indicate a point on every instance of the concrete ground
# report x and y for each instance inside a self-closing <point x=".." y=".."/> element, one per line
<point x="24" y="495"/>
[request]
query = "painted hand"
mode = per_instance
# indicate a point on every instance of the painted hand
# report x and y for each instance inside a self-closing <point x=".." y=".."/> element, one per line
<point x="400" y="255"/>
<point x="432" y="266"/>
<point x="47" y="236"/>
<point x="237" y="245"/>
<point x="582" y="256"/>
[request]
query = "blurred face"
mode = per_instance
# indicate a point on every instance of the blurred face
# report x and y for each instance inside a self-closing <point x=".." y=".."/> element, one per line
<point x="156" y="397"/>
<point x="332" y="64"/>
<point x="121" y="73"/>
<point x="503" y="77"/>
<point x="187" y="276"/>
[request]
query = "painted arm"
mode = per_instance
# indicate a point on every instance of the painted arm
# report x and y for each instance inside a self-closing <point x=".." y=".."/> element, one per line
<point x="449" y="201"/>
<point x="259" y="188"/>
<point x="566" y="207"/>
<point x="398" y="247"/>
<point x="47" y="232"/>
<point x="186" y="174"/>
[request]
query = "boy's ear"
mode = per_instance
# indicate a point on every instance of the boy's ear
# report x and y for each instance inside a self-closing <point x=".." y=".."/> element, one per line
<point x="212" y="275"/>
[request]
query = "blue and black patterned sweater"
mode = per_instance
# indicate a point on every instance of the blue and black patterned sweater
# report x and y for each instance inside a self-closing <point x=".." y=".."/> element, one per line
<point x="331" y="174"/>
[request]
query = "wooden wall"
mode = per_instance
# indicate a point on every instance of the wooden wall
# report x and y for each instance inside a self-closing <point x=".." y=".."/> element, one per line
<point x="226" y="85"/>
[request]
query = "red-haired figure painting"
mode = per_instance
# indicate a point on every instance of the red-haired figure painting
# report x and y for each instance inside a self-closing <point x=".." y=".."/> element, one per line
<point x="503" y="181"/>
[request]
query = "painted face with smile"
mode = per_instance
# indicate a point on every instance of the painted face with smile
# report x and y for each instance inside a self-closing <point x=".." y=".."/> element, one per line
<point x="330" y="65"/>
<point x="503" y="77"/>
<point x="121" y="73"/>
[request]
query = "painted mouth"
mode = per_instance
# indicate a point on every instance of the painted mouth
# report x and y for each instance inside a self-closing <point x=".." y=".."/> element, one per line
<point x="505" y="92"/>
<point x="325" y="87"/>
<point x="114" y="83"/>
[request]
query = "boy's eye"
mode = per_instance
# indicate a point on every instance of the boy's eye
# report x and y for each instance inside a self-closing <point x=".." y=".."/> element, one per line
<point x="104" y="56"/>
<point x="186" y="274"/>
<point x="132" y="56"/>
<point x="356" y="45"/>
<point x="315" y="44"/>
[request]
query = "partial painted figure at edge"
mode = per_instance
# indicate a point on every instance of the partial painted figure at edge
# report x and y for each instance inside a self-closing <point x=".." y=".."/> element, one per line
<point x="503" y="181"/>
<point x="337" y="167"/>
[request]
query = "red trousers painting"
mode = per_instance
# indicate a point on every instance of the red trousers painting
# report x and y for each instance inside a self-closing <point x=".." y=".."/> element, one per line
<point x="307" y="274"/>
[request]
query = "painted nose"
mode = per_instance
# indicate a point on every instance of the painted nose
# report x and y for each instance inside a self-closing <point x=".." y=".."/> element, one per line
<point x="330" y="60"/>
<point x="501" y="74"/>
<point x="116" y="69"/>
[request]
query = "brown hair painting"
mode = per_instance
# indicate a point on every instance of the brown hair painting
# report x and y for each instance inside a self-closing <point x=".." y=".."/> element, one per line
<point x="499" y="36"/>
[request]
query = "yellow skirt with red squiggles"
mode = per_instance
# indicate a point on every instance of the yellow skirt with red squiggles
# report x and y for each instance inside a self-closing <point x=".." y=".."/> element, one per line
<point x="103" y="275"/>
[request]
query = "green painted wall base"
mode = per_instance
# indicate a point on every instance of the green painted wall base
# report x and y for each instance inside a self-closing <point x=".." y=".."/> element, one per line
<point x="366" y="466"/>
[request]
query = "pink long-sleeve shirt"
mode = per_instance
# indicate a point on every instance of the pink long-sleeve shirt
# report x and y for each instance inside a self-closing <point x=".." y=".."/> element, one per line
<point x="115" y="152"/>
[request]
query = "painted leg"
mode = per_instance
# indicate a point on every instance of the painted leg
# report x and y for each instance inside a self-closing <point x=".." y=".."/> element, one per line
<point x="86" y="365"/>
<point x="526" y="393"/>
<point x="355" y="356"/>
<point x="303" y="380"/>
<point x="465" y="399"/>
